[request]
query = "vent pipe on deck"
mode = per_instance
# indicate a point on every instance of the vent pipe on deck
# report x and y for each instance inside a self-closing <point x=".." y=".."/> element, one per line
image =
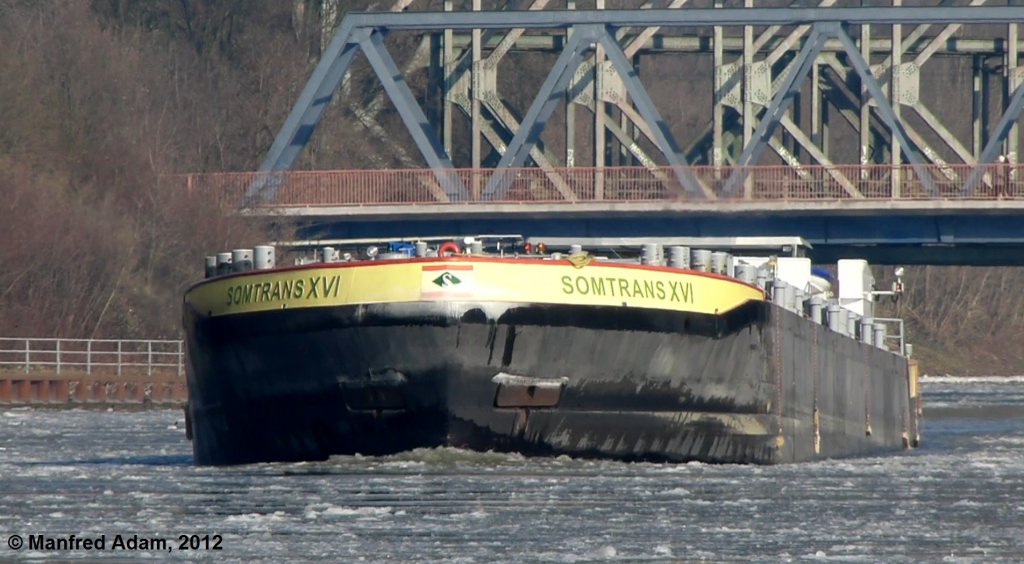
<point x="211" y="266"/>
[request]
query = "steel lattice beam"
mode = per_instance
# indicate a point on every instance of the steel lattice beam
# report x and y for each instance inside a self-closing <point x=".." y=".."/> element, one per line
<point x="363" y="32"/>
<point x="1002" y="129"/>
<point x="543" y="104"/>
<point x="693" y="17"/>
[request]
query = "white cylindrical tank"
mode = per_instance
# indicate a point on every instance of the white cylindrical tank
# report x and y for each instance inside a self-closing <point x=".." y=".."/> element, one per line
<point x="651" y="254"/>
<point x="223" y="263"/>
<point x="700" y="260"/>
<point x="817" y="306"/>
<point x="880" y="335"/>
<point x="679" y="257"/>
<point x="852" y="321"/>
<point x="867" y="331"/>
<point x="241" y="260"/>
<point x="835" y="321"/>
<point x="746" y="273"/>
<point x="779" y="292"/>
<point x="720" y="263"/>
<point x="790" y="302"/>
<point x="263" y="257"/>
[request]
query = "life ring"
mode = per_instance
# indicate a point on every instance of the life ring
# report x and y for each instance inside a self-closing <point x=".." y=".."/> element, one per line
<point x="450" y="248"/>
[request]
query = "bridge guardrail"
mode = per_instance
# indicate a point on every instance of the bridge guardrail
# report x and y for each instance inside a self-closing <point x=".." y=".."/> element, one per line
<point x="93" y="356"/>
<point x="611" y="184"/>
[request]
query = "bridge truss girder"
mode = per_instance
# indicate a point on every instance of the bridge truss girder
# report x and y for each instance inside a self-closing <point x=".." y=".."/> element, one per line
<point x="598" y="35"/>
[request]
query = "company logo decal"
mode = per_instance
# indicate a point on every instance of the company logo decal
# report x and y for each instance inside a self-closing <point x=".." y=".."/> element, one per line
<point x="447" y="279"/>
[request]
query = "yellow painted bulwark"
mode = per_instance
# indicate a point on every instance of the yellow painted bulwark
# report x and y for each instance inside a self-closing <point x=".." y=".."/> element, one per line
<point x="485" y="280"/>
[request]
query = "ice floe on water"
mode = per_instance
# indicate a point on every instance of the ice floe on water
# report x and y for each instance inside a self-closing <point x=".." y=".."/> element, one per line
<point x="958" y="498"/>
<point x="967" y="380"/>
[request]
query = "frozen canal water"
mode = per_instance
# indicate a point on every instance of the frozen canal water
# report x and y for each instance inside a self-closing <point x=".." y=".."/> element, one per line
<point x="960" y="498"/>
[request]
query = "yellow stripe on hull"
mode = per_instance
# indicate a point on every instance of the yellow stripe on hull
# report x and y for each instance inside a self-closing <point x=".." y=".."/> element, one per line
<point x="476" y="279"/>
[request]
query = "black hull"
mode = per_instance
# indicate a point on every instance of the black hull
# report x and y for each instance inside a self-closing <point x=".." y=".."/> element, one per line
<point x="758" y="385"/>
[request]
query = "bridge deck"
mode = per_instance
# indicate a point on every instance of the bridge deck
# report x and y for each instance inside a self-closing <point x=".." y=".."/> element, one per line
<point x="611" y="184"/>
<point x="882" y="213"/>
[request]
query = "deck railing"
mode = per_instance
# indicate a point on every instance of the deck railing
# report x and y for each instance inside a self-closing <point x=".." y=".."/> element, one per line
<point x="93" y="356"/>
<point x="610" y="184"/>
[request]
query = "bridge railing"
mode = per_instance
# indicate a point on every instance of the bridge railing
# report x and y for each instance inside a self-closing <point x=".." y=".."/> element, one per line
<point x="93" y="356"/>
<point x="612" y="184"/>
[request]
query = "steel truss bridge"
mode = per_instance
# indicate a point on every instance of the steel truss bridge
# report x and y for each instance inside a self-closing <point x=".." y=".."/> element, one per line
<point x="888" y="131"/>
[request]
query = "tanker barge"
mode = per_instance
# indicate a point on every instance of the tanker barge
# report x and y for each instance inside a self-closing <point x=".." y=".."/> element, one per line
<point x="673" y="355"/>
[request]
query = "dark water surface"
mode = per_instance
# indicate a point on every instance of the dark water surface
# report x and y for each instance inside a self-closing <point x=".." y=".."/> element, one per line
<point x="960" y="498"/>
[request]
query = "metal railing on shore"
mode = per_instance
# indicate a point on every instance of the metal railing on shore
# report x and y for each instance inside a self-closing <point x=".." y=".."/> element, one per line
<point x="612" y="184"/>
<point x="93" y="356"/>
